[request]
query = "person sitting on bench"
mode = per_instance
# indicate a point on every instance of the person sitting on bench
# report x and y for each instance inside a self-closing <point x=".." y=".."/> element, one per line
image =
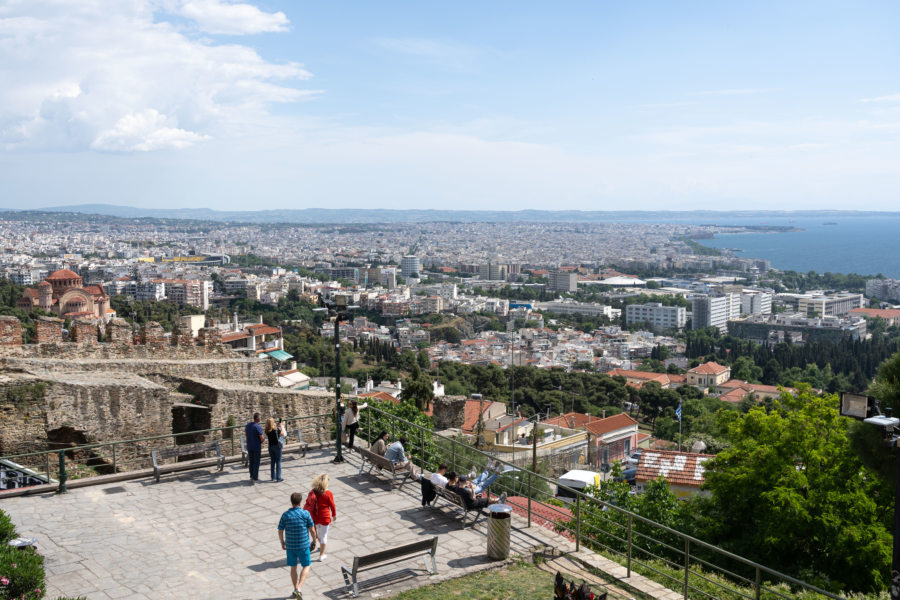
<point x="397" y="455"/>
<point x="485" y="479"/>
<point x="469" y="499"/>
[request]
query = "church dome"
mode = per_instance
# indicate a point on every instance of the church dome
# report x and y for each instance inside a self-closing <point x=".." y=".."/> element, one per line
<point x="63" y="274"/>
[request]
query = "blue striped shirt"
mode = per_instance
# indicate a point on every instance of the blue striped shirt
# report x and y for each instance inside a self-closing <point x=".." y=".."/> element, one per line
<point x="295" y="523"/>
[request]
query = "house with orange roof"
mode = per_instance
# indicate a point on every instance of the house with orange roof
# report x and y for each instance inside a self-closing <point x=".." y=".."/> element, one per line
<point x="639" y="378"/>
<point x="615" y="437"/>
<point x="891" y="315"/>
<point x="735" y="390"/>
<point x="708" y="375"/>
<point x="683" y="471"/>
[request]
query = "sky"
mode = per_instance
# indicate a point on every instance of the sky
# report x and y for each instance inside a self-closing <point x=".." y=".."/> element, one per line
<point x="501" y="105"/>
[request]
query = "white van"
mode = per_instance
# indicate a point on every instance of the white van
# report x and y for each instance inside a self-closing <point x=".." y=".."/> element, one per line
<point x="576" y="480"/>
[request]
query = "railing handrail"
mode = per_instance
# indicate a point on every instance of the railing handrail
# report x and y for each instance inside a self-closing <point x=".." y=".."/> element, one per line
<point x="149" y="438"/>
<point x="578" y="494"/>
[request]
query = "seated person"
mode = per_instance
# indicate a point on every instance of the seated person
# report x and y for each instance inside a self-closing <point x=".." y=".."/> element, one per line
<point x="464" y="492"/>
<point x="488" y="476"/>
<point x="396" y="453"/>
<point x="439" y="477"/>
<point x="379" y="446"/>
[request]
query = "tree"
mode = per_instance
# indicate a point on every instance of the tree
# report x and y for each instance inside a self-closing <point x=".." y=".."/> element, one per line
<point x="789" y="492"/>
<point x="418" y="389"/>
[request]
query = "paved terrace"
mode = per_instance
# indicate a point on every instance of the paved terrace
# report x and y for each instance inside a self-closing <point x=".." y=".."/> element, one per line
<point x="204" y="534"/>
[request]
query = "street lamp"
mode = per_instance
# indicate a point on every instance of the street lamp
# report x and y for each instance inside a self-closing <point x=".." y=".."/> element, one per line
<point x="337" y="309"/>
<point x="866" y="409"/>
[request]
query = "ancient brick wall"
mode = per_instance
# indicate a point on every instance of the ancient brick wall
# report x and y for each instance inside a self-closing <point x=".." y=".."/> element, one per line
<point x="209" y="337"/>
<point x="83" y="332"/>
<point x="153" y="334"/>
<point x="182" y="336"/>
<point x="449" y="412"/>
<point x="48" y="330"/>
<point x="10" y="331"/>
<point x="118" y="331"/>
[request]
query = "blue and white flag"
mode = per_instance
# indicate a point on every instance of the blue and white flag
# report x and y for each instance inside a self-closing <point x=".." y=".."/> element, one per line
<point x="678" y="412"/>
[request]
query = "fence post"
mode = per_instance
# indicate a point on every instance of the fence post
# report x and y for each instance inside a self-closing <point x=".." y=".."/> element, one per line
<point x="529" y="494"/>
<point x="47" y="465"/>
<point x="369" y="428"/>
<point x="232" y="441"/>
<point x="452" y="455"/>
<point x="422" y="448"/>
<point x="758" y="586"/>
<point x="577" y="523"/>
<point x="628" y="566"/>
<point x="687" y="565"/>
<point x="62" y="476"/>
<point x="115" y="461"/>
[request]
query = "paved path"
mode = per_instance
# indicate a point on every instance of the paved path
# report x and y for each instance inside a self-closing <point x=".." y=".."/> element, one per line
<point x="202" y="534"/>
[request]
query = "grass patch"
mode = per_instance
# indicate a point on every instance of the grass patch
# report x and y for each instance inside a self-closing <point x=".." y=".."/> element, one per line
<point x="519" y="581"/>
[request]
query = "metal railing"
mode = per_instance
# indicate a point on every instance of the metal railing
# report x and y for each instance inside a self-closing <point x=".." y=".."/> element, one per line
<point x="89" y="460"/>
<point x="689" y="565"/>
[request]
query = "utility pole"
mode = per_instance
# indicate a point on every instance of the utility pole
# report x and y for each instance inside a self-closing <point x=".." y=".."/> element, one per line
<point x="537" y="420"/>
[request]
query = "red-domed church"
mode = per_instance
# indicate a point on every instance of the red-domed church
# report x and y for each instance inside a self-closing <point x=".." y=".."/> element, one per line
<point x="64" y="294"/>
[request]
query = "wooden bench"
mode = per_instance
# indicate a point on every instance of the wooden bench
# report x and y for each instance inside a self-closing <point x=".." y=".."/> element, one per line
<point x="425" y="548"/>
<point x="187" y="449"/>
<point x="304" y="446"/>
<point x="376" y="460"/>
<point x="455" y="499"/>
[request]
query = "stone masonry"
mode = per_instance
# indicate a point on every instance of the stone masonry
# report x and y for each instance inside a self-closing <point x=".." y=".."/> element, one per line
<point x="449" y="412"/>
<point x="209" y="337"/>
<point x="10" y="331"/>
<point x="118" y="331"/>
<point x="153" y="334"/>
<point x="84" y="331"/>
<point x="48" y="330"/>
<point x="182" y="336"/>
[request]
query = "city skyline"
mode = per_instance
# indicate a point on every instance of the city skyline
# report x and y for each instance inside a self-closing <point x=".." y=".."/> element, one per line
<point x="238" y="106"/>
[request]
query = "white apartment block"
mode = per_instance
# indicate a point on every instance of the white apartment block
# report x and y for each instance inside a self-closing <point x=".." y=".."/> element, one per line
<point x="410" y="265"/>
<point x="756" y="302"/>
<point x="147" y="290"/>
<point x="571" y="307"/>
<point x="884" y="289"/>
<point x="656" y="315"/>
<point x="834" y="305"/>
<point x="563" y="281"/>
<point x="715" y="311"/>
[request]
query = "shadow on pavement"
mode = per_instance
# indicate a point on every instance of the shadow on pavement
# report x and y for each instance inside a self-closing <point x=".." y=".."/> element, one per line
<point x="369" y="583"/>
<point x="272" y="564"/>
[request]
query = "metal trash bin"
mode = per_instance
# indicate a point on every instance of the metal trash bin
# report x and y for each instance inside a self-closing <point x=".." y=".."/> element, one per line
<point x="499" y="519"/>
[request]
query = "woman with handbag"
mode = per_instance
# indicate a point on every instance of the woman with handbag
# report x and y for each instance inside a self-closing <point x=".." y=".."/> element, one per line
<point x="275" y="436"/>
<point x="320" y="504"/>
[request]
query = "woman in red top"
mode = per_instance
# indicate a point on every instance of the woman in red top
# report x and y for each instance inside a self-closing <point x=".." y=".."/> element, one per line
<point x="323" y="510"/>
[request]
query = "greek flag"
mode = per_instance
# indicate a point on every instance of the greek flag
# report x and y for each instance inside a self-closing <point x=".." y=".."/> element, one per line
<point x="678" y="412"/>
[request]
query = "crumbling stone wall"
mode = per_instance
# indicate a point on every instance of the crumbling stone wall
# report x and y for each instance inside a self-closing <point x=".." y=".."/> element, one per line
<point x="118" y="331"/>
<point x="228" y="398"/>
<point x="48" y="330"/>
<point x="10" y="331"/>
<point x="83" y="332"/>
<point x="182" y="336"/>
<point x="449" y="412"/>
<point x="153" y="334"/>
<point x="209" y="337"/>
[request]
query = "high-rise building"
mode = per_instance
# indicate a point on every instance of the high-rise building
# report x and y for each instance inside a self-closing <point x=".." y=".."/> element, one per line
<point x="831" y="305"/>
<point x="563" y="281"/>
<point x="884" y="289"/>
<point x="410" y="266"/>
<point x="656" y="315"/>
<point x="754" y="302"/>
<point x="715" y="311"/>
<point x="388" y="277"/>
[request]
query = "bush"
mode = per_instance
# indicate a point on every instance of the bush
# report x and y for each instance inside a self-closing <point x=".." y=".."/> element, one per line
<point x="21" y="573"/>
<point x="7" y="529"/>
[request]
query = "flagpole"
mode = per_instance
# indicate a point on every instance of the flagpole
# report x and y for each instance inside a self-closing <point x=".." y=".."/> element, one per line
<point x="679" y="434"/>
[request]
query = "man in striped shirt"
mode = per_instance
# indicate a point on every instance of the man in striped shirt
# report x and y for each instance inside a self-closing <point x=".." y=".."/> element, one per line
<point x="295" y="529"/>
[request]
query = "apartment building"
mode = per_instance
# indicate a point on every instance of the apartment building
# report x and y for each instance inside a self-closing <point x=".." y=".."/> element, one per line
<point x="756" y="302"/>
<point x="563" y="281"/>
<point x="832" y="305"/>
<point x="656" y="315"/>
<point x="715" y="310"/>
<point x="884" y="289"/>
<point x="410" y="266"/>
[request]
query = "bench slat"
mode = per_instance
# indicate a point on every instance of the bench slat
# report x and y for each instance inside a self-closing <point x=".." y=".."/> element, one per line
<point x="393" y="553"/>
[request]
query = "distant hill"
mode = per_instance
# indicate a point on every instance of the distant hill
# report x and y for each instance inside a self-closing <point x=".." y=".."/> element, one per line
<point x="381" y="215"/>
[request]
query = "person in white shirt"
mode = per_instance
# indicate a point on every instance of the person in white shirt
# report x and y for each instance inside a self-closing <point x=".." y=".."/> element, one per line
<point x="439" y="477"/>
<point x="351" y="421"/>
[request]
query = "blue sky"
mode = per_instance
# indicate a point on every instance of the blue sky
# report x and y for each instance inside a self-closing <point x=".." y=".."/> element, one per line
<point x="501" y="105"/>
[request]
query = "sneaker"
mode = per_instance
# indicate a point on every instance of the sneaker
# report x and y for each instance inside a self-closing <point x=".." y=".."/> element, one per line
<point x="502" y="499"/>
<point x="323" y="557"/>
<point x="471" y="475"/>
<point x="297" y="595"/>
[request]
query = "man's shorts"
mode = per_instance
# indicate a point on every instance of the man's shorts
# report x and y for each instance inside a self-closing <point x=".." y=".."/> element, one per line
<point x="302" y="557"/>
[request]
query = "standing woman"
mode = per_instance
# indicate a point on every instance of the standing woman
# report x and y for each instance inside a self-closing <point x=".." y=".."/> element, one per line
<point x="324" y="511"/>
<point x="351" y="421"/>
<point x="272" y="433"/>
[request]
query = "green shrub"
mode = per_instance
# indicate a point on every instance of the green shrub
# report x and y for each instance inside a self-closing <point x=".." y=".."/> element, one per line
<point x="7" y="529"/>
<point x="21" y="573"/>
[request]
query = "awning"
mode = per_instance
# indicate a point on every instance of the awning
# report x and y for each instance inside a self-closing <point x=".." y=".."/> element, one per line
<point x="279" y="355"/>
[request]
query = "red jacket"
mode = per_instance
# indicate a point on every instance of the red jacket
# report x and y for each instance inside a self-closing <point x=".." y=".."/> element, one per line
<point x="321" y="508"/>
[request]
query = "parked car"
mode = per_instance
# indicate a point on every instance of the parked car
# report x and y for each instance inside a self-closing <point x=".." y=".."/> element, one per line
<point x="628" y="475"/>
<point x="635" y="458"/>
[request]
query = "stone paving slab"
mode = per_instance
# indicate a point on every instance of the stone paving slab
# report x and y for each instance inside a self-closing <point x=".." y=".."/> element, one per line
<point x="204" y="534"/>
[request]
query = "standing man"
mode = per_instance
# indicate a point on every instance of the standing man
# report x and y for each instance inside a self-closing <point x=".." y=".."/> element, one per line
<point x="296" y="542"/>
<point x="253" y="433"/>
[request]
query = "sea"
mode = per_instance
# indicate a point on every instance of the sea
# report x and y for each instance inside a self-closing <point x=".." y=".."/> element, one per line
<point x="840" y="244"/>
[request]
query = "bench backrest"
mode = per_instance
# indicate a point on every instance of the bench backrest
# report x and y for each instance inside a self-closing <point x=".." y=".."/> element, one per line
<point x="429" y="545"/>
<point x="376" y="458"/>
<point x="176" y="451"/>
<point x="449" y="495"/>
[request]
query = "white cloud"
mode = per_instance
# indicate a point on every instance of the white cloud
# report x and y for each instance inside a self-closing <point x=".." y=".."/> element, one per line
<point x="143" y="132"/>
<point x="100" y="74"/>
<point x="216" y="16"/>
<point x="447" y="54"/>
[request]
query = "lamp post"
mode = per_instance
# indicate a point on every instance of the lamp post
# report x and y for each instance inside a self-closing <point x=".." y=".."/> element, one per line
<point x="867" y="410"/>
<point x="337" y="309"/>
